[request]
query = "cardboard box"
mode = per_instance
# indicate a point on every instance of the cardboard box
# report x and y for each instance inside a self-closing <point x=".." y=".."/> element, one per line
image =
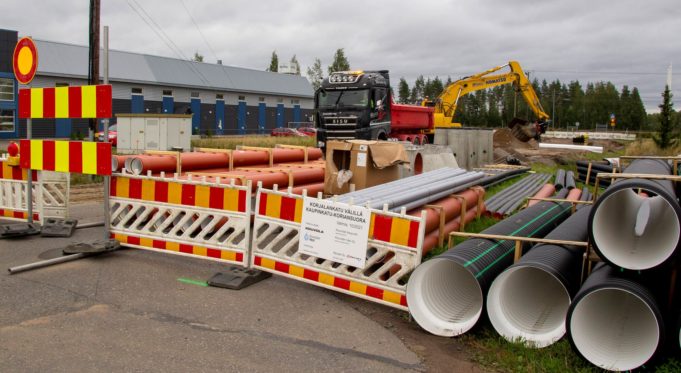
<point x="370" y="163"/>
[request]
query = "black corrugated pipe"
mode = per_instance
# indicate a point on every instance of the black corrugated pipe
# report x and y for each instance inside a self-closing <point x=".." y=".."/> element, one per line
<point x="561" y="194"/>
<point x="594" y="171"/>
<point x="560" y="179"/>
<point x="633" y="231"/>
<point x="570" y="180"/>
<point x="488" y="181"/>
<point x="592" y="178"/>
<point x="604" y="167"/>
<point x="446" y="294"/>
<point x="530" y="299"/>
<point x="614" y="322"/>
<point x="498" y="198"/>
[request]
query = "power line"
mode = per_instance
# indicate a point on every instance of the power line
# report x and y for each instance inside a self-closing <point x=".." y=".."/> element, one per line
<point x="199" y="30"/>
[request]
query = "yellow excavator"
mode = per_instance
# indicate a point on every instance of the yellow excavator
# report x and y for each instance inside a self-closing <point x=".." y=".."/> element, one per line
<point x="445" y="104"/>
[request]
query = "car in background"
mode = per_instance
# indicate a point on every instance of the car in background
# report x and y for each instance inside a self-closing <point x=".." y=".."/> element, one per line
<point x="287" y="132"/>
<point x="308" y="131"/>
<point x="113" y="135"/>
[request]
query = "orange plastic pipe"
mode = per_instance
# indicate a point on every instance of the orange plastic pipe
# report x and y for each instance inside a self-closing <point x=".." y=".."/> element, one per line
<point x="140" y="164"/>
<point x="431" y="239"/>
<point x="192" y="161"/>
<point x="312" y="189"/>
<point x="451" y="206"/>
<point x="574" y="194"/>
<point x="545" y="192"/>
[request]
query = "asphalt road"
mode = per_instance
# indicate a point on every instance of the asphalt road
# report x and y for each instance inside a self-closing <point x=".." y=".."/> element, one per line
<point x="127" y="311"/>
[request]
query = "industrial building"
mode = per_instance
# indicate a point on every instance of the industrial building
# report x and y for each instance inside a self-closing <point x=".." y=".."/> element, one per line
<point x="224" y="100"/>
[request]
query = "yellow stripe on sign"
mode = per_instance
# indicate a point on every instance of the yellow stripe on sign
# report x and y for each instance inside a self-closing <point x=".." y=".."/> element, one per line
<point x="146" y="242"/>
<point x="61" y="102"/>
<point x="200" y="250"/>
<point x="122" y="187"/>
<point x="148" y="189"/>
<point x="228" y="255"/>
<point x="61" y="151"/>
<point x="202" y="196"/>
<point x="89" y="157"/>
<point x="326" y="279"/>
<point x="273" y="208"/>
<point x="36" y="154"/>
<point x="175" y="193"/>
<point x="296" y="271"/>
<point x="120" y="238"/>
<point x="6" y="171"/>
<point x="231" y="200"/>
<point x="172" y="246"/>
<point x="36" y="103"/>
<point x="391" y="297"/>
<point x="88" y="94"/>
<point x="358" y="288"/>
<point x="399" y="231"/>
<point x="371" y="225"/>
<point x="298" y="217"/>
<point x="267" y="263"/>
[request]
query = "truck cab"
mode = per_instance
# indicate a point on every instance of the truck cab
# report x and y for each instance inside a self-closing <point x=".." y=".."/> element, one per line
<point x="353" y="105"/>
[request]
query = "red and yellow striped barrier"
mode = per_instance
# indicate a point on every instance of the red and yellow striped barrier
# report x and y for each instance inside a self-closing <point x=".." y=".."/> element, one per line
<point x="17" y="214"/>
<point x="176" y="247"/>
<point x="384" y="228"/>
<point x="330" y="281"/>
<point x="8" y="172"/>
<point x="179" y="193"/>
<point x="83" y="157"/>
<point x="90" y="101"/>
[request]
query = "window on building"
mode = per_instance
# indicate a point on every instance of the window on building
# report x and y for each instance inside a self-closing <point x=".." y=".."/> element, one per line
<point x="242" y="98"/>
<point x="6" y="120"/>
<point x="280" y="99"/>
<point x="261" y="99"/>
<point x="167" y="92"/>
<point x="137" y="91"/>
<point x="220" y="96"/>
<point x="194" y="95"/>
<point x="61" y="84"/>
<point x="7" y="90"/>
<point x="295" y="102"/>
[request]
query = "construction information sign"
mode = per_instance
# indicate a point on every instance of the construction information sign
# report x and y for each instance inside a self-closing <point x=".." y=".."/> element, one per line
<point x="334" y="231"/>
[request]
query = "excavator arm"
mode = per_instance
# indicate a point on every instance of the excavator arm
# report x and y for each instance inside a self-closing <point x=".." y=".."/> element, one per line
<point x="445" y="104"/>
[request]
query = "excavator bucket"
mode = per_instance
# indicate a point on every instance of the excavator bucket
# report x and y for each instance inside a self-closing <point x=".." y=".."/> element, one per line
<point x="522" y="129"/>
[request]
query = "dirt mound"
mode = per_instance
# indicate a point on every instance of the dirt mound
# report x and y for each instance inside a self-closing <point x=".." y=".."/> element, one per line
<point x="504" y="139"/>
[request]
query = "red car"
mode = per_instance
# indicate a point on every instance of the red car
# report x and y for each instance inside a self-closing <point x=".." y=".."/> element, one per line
<point x="113" y="135"/>
<point x="286" y="132"/>
<point x="308" y="131"/>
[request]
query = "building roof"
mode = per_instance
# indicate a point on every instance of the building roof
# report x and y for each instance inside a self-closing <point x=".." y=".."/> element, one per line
<point x="69" y="60"/>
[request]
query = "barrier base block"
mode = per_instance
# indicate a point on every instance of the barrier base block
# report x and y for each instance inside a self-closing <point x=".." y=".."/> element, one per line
<point x="237" y="278"/>
<point x="92" y="247"/>
<point x="56" y="227"/>
<point x="19" y="230"/>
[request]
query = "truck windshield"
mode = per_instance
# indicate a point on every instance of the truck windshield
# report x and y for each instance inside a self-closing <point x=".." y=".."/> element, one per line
<point x="359" y="98"/>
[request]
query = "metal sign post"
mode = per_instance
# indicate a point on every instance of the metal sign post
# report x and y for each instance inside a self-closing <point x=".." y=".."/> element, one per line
<point x="107" y="178"/>
<point x="29" y="181"/>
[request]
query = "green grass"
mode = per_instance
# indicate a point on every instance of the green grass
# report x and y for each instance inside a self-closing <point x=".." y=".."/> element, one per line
<point x="232" y="142"/>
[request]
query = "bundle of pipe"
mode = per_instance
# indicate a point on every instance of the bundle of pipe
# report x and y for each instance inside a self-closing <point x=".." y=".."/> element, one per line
<point x="118" y="162"/>
<point x="509" y="200"/>
<point x="140" y="164"/>
<point x="545" y="192"/>
<point x="445" y="294"/>
<point x="529" y="301"/>
<point x="560" y="179"/>
<point x="635" y="231"/>
<point x="496" y="176"/>
<point x="614" y="321"/>
<point x="596" y="167"/>
<point x="302" y="178"/>
<point x="414" y="191"/>
<point x="586" y="196"/>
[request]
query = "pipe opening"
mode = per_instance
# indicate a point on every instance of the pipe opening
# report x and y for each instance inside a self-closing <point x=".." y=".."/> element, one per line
<point x="135" y="166"/>
<point x="418" y="164"/>
<point x="614" y="329"/>
<point x="444" y="298"/>
<point x="528" y="304"/>
<point x="631" y="238"/>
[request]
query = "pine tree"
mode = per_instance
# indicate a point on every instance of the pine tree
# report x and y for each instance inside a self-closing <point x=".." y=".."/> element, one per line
<point x="295" y="65"/>
<point x="403" y="91"/>
<point x="315" y="74"/>
<point x="340" y="62"/>
<point x="638" y="112"/>
<point x="197" y="57"/>
<point x="274" y="63"/>
<point x="663" y="139"/>
<point x="417" y="91"/>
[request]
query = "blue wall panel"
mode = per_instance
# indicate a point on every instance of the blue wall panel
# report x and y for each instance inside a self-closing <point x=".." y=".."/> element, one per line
<point x="168" y="105"/>
<point x="280" y="115"/>
<point x="296" y="113"/>
<point x="196" y="117"/>
<point x="262" y="117"/>
<point x="137" y="104"/>
<point x="241" y="118"/>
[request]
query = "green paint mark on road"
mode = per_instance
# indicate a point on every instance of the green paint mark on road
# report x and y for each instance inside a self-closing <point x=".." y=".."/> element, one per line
<point x="192" y="281"/>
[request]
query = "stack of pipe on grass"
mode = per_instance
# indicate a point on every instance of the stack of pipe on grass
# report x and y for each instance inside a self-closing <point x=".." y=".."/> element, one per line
<point x="615" y="321"/>
<point x="596" y="167"/>
<point x="194" y="161"/>
<point x="637" y="231"/>
<point x="495" y="176"/>
<point x="560" y="179"/>
<point x="414" y="191"/>
<point x="509" y="199"/>
<point x="445" y="294"/>
<point x="529" y="300"/>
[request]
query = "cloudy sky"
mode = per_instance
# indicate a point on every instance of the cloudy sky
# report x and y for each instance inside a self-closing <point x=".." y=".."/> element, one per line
<point x="628" y="42"/>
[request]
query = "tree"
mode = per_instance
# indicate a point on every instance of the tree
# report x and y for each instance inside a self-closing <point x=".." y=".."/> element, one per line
<point x="295" y="65"/>
<point x="664" y="133"/>
<point x="340" y="62"/>
<point x="416" y="94"/>
<point x="315" y="74"/>
<point x="274" y="63"/>
<point x="197" y="57"/>
<point x="403" y="91"/>
<point x="638" y="111"/>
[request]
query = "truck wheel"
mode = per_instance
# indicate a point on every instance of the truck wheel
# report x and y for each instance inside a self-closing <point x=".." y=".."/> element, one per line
<point x="382" y="136"/>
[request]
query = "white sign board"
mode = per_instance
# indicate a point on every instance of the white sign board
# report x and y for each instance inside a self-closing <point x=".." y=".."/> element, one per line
<point x="334" y="231"/>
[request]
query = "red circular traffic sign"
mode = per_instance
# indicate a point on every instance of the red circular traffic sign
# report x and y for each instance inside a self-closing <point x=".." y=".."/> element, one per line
<point x="25" y="60"/>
